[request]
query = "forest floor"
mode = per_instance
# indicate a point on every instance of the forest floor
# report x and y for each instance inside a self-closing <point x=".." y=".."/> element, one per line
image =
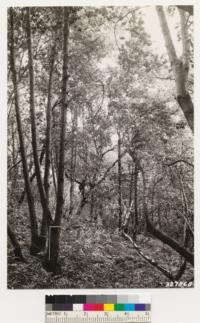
<point x="93" y="257"/>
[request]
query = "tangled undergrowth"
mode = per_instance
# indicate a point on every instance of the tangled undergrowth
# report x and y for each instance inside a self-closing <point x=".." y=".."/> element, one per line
<point x="94" y="257"/>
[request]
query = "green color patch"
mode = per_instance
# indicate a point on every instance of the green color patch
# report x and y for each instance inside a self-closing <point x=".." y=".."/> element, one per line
<point x="119" y="307"/>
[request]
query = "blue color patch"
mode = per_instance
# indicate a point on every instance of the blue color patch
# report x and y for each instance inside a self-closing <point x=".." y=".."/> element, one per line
<point x="139" y="307"/>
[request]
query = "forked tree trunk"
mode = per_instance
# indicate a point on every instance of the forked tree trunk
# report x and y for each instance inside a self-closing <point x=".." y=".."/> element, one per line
<point x="30" y="199"/>
<point x="180" y="67"/>
<point x="43" y="197"/>
<point x="32" y="177"/>
<point x="55" y="232"/>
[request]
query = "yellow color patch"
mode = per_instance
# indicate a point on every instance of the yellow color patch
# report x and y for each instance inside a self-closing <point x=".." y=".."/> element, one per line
<point x="108" y="307"/>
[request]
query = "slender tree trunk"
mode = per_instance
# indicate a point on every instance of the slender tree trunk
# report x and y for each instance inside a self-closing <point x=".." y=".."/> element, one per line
<point x="14" y="176"/>
<point x="131" y="186"/>
<point x="15" y="243"/>
<point x="53" y="172"/>
<point x="42" y="193"/>
<point x="30" y="199"/>
<point x="159" y="217"/>
<point x="130" y="215"/>
<point x="119" y="181"/>
<point x="73" y="160"/>
<point x="180" y="67"/>
<point x="49" y="125"/>
<point x="55" y="237"/>
<point x="135" y="220"/>
<point x="43" y="232"/>
<point x="92" y="205"/>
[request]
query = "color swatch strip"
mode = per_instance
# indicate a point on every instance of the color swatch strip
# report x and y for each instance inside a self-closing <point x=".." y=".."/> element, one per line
<point x="92" y="299"/>
<point x="98" y="307"/>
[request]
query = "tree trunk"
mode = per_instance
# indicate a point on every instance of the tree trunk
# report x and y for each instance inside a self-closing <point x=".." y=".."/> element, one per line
<point x="53" y="172"/>
<point x="187" y="255"/>
<point x="43" y="198"/>
<point x="21" y="199"/>
<point x="180" y="68"/>
<point x="30" y="199"/>
<point x="73" y="160"/>
<point x="130" y="215"/>
<point x="14" y="159"/>
<point x="119" y="181"/>
<point x="131" y="186"/>
<point x="92" y="205"/>
<point x="43" y="231"/>
<point x="16" y="246"/>
<point x="49" y="126"/>
<point x="135" y="219"/>
<point x="55" y="240"/>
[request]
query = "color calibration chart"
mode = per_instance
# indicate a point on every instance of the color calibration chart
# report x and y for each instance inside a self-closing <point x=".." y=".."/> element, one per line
<point x="97" y="308"/>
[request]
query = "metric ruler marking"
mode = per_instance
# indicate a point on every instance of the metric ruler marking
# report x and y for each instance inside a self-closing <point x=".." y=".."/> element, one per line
<point x="97" y="317"/>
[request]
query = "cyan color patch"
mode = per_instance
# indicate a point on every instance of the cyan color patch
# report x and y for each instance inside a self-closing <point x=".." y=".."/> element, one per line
<point x="129" y="307"/>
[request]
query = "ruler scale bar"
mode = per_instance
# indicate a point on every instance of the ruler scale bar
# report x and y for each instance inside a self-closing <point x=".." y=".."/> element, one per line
<point x="94" y="317"/>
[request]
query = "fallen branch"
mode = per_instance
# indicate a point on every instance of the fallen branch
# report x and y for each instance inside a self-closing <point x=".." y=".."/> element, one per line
<point x="152" y="262"/>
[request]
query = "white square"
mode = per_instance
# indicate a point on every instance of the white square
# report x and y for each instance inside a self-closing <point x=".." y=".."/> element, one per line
<point x="77" y="307"/>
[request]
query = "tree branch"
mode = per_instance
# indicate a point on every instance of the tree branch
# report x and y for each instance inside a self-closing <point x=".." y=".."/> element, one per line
<point x="179" y="161"/>
<point x="152" y="262"/>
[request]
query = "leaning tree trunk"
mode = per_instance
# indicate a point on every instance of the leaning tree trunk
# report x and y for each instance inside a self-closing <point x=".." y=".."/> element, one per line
<point x="55" y="230"/>
<point x="180" y="66"/>
<point x="30" y="199"/>
<point x="43" y="197"/>
<point x="187" y="255"/>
